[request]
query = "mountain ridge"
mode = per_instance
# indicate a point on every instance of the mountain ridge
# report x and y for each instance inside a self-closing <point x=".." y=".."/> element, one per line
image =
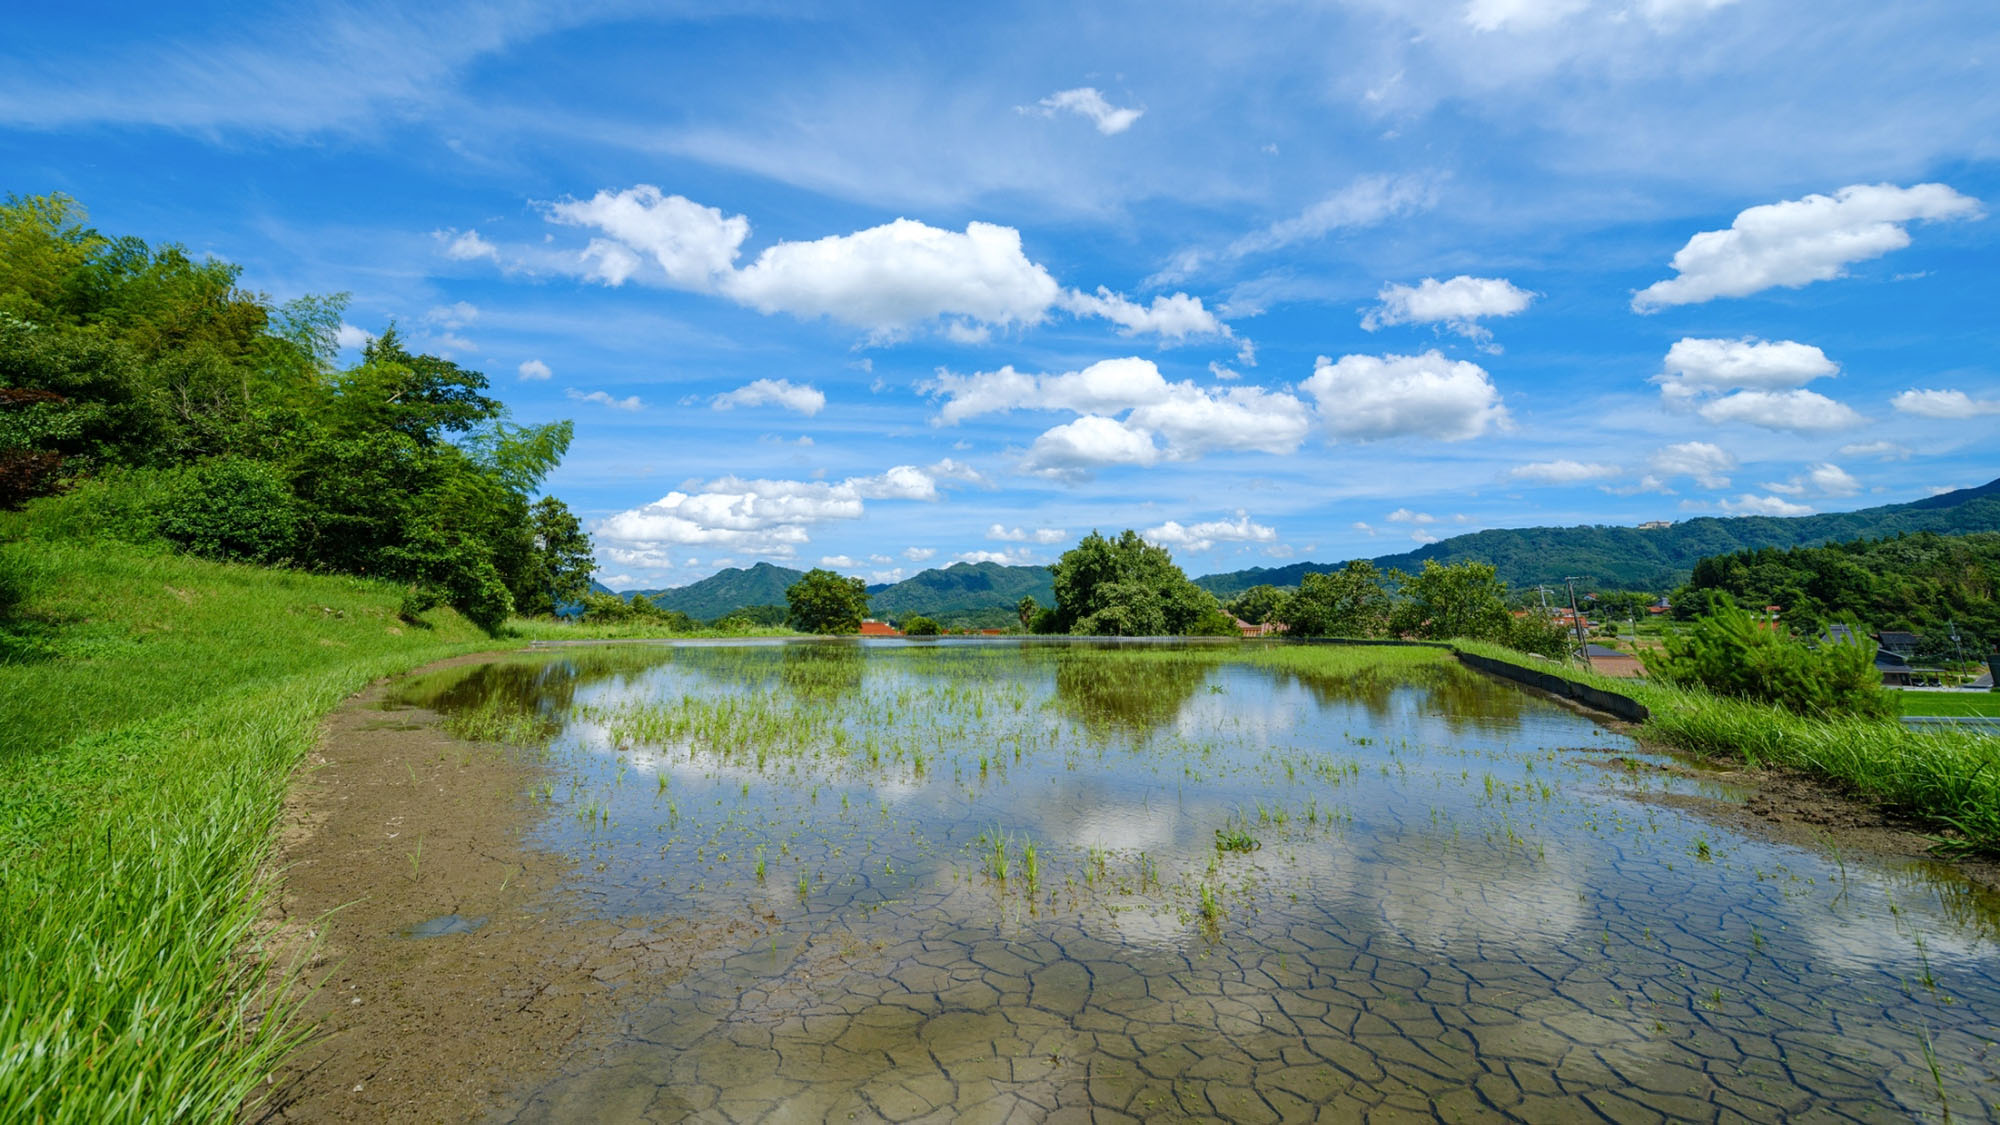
<point x="1654" y="559"/>
<point x="1607" y="556"/>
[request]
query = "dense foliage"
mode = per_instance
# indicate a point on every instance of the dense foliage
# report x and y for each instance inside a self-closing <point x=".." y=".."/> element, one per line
<point x="917" y="625"/>
<point x="1350" y="602"/>
<point x="825" y="602"/>
<point x="1654" y="559"/>
<point x="1729" y="651"/>
<point x="175" y="406"/>
<point x="1127" y="587"/>
<point x="1917" y="583"/>
<point x="610" y="609"/>
<point x="1257" y="605"/>
<point x="963" y="593"/>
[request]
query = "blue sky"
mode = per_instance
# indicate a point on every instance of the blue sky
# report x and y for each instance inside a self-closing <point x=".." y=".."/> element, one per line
<point x="1267" y="282"/>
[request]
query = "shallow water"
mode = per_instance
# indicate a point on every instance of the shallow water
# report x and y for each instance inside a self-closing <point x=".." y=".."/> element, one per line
<point x="1255" y="893"/>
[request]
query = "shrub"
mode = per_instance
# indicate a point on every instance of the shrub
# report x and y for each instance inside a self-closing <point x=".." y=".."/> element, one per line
<point x="917" y="625"/>
<point x="232" y="509"/>
<point x="1729" y="652"/>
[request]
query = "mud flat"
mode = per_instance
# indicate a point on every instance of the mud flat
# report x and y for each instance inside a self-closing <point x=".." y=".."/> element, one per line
<point x="451" y="967"/>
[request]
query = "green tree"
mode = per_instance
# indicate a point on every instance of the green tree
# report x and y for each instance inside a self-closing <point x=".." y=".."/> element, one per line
<point x="825" y="602"/>
<point x="917" y="625"/>
<point x="1258" y="604"/>
<point x="1350" y="602"/>
<point x="1460" y="600"/>
<point x="1127" y="587"/>
<point x="560" y="565"/>
<point x="1729" y="651"/>
<point x="1027" y="610"/>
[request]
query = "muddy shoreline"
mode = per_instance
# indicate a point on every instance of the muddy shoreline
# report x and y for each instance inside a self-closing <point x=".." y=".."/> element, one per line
<point x="392" y="824"/>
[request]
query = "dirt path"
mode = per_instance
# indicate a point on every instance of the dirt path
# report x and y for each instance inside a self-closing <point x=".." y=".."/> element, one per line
<point x="391" y="824"/>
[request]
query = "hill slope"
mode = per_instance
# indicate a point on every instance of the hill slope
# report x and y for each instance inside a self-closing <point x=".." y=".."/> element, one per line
<point x="726" y="590"/>
<point x="962" y="588"/>
<point x="1658" y="559"/>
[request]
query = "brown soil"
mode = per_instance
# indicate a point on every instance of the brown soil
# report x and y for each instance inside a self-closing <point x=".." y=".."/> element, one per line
<point x="1797" y="808"/>
<point x="390" y="823"/>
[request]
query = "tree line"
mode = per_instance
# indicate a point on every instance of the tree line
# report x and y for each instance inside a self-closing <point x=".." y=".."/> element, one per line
<point x="145" y="395"/>
<point x="1124" y="586"/>
<point x="1926" y="583"/>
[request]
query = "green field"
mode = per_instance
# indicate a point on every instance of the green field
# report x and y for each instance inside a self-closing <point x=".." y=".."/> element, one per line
<point x="152" y="708"/>
<point x="1941" y="703"/>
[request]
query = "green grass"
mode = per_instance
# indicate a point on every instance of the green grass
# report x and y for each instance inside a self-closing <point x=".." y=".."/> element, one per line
<point x="1953" y="704"/>
<point x="547" y="629"/>
<point x="152" y="708"/>
<point x="1948" y="780"/>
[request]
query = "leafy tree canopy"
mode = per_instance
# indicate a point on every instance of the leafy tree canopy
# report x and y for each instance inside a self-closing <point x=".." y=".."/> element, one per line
<point x="1127" y="587"/>
<point x="180" y="407"/>
<point x="826" y="602"/>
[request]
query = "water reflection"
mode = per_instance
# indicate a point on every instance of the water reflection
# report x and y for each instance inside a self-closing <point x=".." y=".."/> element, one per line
<point x="996" y="887"/>
<point x="1139" y="692"/>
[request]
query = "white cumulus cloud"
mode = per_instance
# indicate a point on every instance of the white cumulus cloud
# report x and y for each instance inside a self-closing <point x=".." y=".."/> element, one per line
<point x="1202" y="536"/>
<point x="1709" y="465"/>
<point x="1799" y="410"/>
<point x="918" y="554"/>
<point x="1366" y="398"/>
<point x="1405" y="515"/>
<point x="1944" y="404"/>
<point x="1799" y="241"/>
<point x="1073" y="450"/>
<point x="1751" y="505"/>
<point x="1088" y="102"/>
<point x="889" y="278"/>
<point x="692" y="244"/>
<point x="348" y="336"/>
<point x="1458" y="304"/>
<point x="770" y="517"/>
<point x="1192" y="420"/>
<point x="1823" y="479"/>
<point x="534" y="369"/>
<point x="1179" y="317"/>
<point x="1746" y="364"/>
<point x="800" y="398"/>
<point x="466" y="246"/>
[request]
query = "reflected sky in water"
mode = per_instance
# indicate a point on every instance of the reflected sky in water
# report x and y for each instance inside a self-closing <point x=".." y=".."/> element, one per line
<point x="1441" y="889"/>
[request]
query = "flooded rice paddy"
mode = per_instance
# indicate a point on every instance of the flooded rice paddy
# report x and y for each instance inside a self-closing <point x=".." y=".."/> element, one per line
<point x="1026" y="882"/>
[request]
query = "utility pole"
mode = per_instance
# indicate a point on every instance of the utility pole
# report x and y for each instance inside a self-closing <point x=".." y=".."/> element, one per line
<point x="1544" y="591"/>
<point x="1576" y="620"/>
<point x="1956" y="648"/>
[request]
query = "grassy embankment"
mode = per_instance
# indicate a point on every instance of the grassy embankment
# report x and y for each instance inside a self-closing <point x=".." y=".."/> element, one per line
<point x="1949" y="780"/>
<point x="546" y="629"/>
<point x="152" y="708"/>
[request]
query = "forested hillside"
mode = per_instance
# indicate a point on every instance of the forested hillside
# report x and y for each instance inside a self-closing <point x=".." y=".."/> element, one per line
<point x="981" y="592"/>
<point x="1919" y="583"/>
<point x="1629" y="558"/>
<point x="727" y="590"/>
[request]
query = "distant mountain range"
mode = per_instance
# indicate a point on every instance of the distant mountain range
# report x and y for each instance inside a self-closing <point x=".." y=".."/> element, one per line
<point x="727" y="590"/>
<point x="963" y="589"/>
<point x="1606" y="558"/>
<point x="1631" y="558"/>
